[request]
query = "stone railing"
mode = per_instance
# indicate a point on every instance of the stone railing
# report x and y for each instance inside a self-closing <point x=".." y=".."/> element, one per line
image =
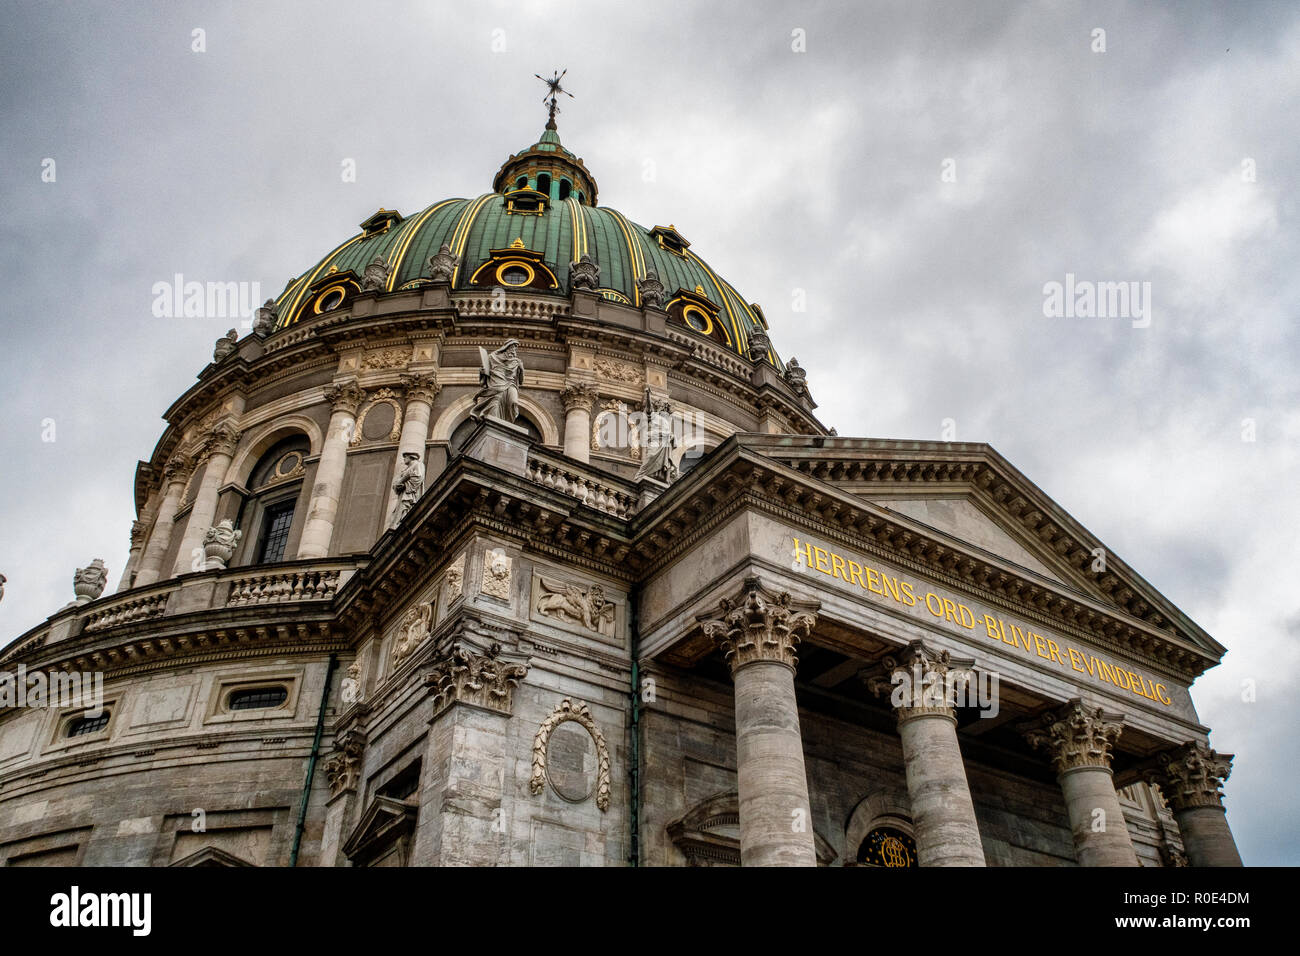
<point x="277" y="587"/>
<point x="731" y="364"/>
<point x="124" y="612"/>
<point x="591" y="491"/>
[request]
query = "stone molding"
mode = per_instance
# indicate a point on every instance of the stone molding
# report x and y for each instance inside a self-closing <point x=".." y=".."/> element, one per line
<point x="345" y="397"/>
<point x="420" y="387"/>
<point x="580" y="396"/>
<point x="464" y="674"/>
<point x="1192" y="776"/>
<point x="343" y="765"/>
<point x="580" y="713"/>
<point x="222" y="440"/>
<point x="1076" y="736"/>
<point x="760" y="625"/>
<point x="920" y="681"/>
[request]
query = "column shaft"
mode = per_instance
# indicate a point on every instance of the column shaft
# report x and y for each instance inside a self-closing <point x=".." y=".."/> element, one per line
<point x="1101" y="836"/>
<point x="775" y="818"/>
<point x="943" y="815"/>
<point x="324" y="504"/>
<point x="578" y="399"/>
<point x="161" y="536"/>
<point x="201" y="514"/>
<point x="1207" y="840"/>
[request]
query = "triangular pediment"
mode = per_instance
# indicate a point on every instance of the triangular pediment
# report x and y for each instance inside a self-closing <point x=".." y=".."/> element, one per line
<point x="964" y="519"/>
<point x="968" y="494"/>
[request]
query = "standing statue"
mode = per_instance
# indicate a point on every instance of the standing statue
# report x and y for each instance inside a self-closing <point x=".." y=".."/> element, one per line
<point x="375" y="275"/>
<point x="501" y="377"/>
<point x="657" y="442"/>
<point x="409" y="486"/>
<point x="351" y="687"/>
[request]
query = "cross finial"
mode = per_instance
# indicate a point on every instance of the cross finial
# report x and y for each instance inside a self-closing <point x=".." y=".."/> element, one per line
<point x="553" y="88"/>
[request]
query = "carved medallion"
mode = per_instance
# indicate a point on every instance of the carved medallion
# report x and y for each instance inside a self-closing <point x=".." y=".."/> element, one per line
<point x="580" y="713"/>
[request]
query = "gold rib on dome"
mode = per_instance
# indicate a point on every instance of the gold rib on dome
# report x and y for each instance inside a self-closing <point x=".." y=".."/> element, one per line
<point x="293" y="309"/>
<point x="634" y="253"/>
<point x="579" y="223"/>
<point x="404" y="243"/>
<point x="726" y="303"/>
<point x="460" y="235"/>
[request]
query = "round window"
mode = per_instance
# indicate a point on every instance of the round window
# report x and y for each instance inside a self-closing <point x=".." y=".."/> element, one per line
<point x="515" y="275"/>
<point x="330" y="299"/>
<point x="698" y="319"/>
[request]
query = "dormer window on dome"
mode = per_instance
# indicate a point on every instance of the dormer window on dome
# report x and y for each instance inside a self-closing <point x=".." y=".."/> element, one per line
<point x="515" y="268"/>
<point x="332" y="290"/>
<point x="380" y="222"/>
<point x="697" y="313"/>
<point x="526" y="202"/>
<point x="670" y="239"/>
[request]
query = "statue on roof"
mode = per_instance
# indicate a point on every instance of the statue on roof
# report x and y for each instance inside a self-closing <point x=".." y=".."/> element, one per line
<point x="264" y="323"/>
<point x="225" y="346"/>
<point x="651" y="290"/>
<point x="375" y="276"/>
<point x="584" y="274"/>
<point x="443" y="266"/>
<point x="501" y="376"/>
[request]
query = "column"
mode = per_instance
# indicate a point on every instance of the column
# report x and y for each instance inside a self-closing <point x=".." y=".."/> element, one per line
<point x="421" y="390"/>
<point x="923" y="685"/>
<point x="1079" y="740"/>
<point x="342" y="772"/>
<point x="463" y="819"/>
<point x="759" y="633"/>
<point x="344" y="399"/>
<point x="138" y="534"/>
<point x="175" y="473"/>
<point x="1191" y="779"/>
<point x="578" y="398"/>
<point x="219" y="448"/>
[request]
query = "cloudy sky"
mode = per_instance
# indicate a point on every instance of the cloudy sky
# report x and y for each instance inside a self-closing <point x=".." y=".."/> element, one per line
<point x="894" y="183"/>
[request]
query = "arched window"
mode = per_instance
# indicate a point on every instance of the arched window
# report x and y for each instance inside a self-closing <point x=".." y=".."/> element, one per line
<point x="566" y="187"/>
<point x="521" y="182"/>
<point x="544" y="183"/>
<point x="268" y="514"/>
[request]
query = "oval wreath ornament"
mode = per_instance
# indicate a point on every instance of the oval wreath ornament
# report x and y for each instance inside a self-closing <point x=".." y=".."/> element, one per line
<point x="579" y="713"/>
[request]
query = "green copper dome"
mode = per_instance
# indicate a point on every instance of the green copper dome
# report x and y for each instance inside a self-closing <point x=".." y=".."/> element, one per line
<point x="540" y="218"/>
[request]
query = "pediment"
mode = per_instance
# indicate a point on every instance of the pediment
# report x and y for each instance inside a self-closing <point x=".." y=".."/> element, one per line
<point x="212" y="856"/>
<point x="970" y="495"/>
<point x="385" y="825"/>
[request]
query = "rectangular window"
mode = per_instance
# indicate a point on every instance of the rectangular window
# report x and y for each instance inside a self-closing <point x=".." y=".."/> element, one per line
<point x="275" y="532"/>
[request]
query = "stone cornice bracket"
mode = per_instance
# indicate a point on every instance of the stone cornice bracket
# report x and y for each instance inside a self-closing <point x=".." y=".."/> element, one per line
<point x="421" y="386"/>
<point x="1191" y="776"/>
<point x="343" y="765"/>
<point x="759" y="625"/>
<point x="1076" y="736"/>
<point x="222" y="439"/>
<point x="920" y="680"/>
<point x="579" y="395"/>
<point x="463" y="674"/>
<point x="579" y="713"/>
<point x="345" y="396"/>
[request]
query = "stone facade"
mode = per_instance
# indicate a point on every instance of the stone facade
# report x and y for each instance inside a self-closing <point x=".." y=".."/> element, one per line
<point x="554" y="656"/>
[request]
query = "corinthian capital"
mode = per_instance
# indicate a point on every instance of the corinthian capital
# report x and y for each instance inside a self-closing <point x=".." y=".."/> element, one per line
<point x="463" y="674"/>
<point x="345" y="397"/>
<point x="177" y="470"/>
<point x="1076" y="736"/>
<point x="1192" y="776"/>
<point x="343" y="765"/>
<point x="759" y="625"/>
<point x="920" y="680"/>
<point x="421" y="387"/>
<point x="222" y="439"/>
<point x="579" y="395"/>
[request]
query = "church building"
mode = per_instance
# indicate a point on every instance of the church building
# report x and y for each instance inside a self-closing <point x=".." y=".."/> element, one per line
<point x="507" y="536"/>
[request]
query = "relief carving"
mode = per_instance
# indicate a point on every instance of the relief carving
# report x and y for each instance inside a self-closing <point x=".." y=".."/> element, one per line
<point x="496" y="574"/>
<point x="411" y="632"/>
<point x="572" y="604"/>
<point x="581" y="713"/>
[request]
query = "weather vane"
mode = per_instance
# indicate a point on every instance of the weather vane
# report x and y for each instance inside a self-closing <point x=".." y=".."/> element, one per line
<point x="553" y="88"/>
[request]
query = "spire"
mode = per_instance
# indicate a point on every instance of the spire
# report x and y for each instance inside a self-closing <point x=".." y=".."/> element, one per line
<point x="553" y="88"/>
